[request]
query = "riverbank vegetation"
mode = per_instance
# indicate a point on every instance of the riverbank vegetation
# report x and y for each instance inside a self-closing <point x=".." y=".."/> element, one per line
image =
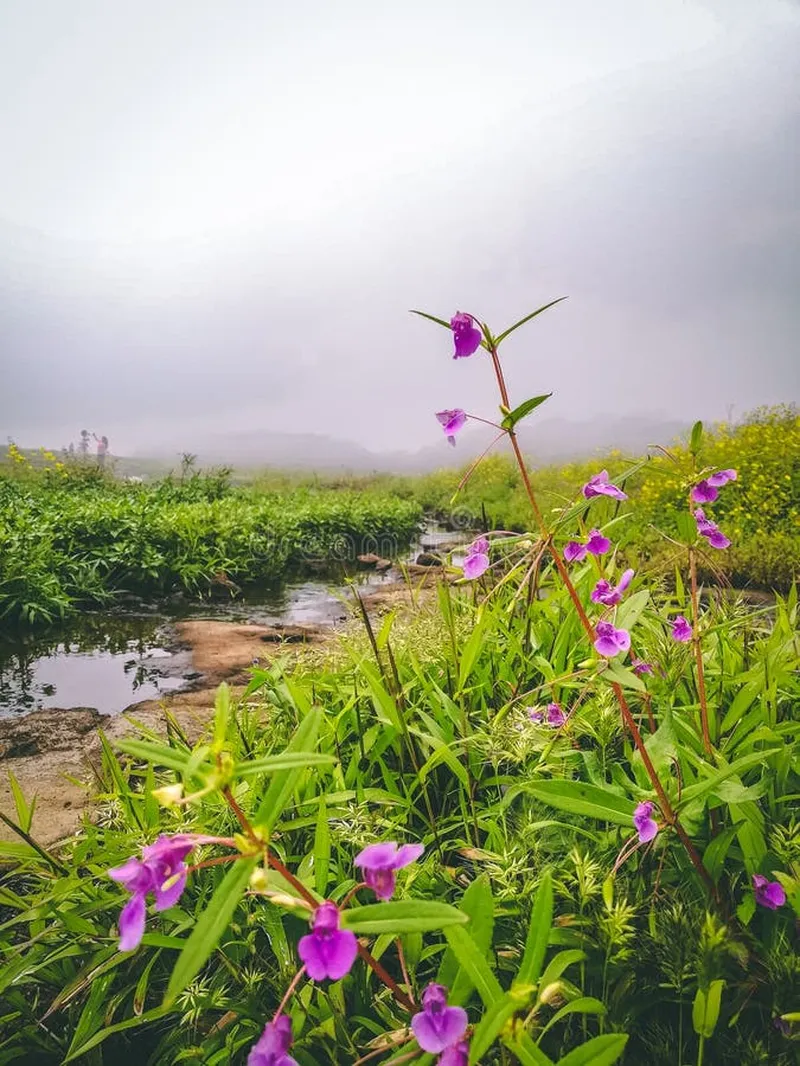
<point x="549" y="817"/>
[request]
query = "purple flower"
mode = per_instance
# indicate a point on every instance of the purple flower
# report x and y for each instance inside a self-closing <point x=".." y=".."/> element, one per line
<point x="769" y="894"/>
<point x="705" y="491"/>
<point x="438" y="1026"/>
<point x="596" y="544"/>
<point x="610" y="640"/>
<point x="639" y="667"/>
<point x="599" y="485"/>
<point x="610" y="595"/>
<point x="710" y="530"/>
<point x="327" y="950"/>
<point x="477" y="560"/>
<point x="455" y="1055"/>
<point x="465" y="335"/>
<point x="555" y="716"/>
<point x="645" y="824"/>
<point x="379" y="862"/>
<point x="452" y="421"/>
<point x="270" y="1050"/>
<point x="162" y="871"/>
<point x="536" y="715"/>
<point x="681" y="629"/>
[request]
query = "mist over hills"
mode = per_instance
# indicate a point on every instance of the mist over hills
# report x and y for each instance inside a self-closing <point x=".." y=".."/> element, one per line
<point x="549" y="441"/>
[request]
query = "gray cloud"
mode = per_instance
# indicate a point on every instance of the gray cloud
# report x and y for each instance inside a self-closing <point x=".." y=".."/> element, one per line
<point x="218" y="215"/>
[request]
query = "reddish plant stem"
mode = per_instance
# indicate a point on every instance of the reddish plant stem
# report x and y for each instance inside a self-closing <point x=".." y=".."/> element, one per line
<point x="241" y="817"/>
<point x="670" y="816"/>
<point x="298" y="886"/>
<point x="698" y="653"/>
<point x="289" y="991"/>
<point x="213" y="862"/>
<point x="387" y="979"/>
<point x="273" y="861"/>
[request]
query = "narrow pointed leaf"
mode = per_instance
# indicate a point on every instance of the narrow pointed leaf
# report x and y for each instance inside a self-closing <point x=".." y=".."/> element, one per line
<point x="527" y="318"/>
<point x="524" y="409"/>
<point x="538" y="933"/>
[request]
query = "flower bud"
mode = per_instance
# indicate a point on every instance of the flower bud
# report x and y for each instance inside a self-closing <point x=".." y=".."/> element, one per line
<point x="169" y="795"/>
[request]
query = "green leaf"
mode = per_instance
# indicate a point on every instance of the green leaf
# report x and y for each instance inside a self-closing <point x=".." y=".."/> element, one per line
<point x="524" y="409"/>
<point x="705" y="1009"/>
<point x="601" y="1051"/>
<point x="506" y="333"/>
<point x="478" y="904"/>
<point x="701" y="788"/>
<point x="617" y="674"/>
<point x="209" y="928"/>
<point x="287" y="760"/>
<point x="526" y="1051"/>
<point x="222" y="710"/>
<point x="538" y="933"/>
<point x="159" y="754"/>
<point x="284" y="782"/>
<point x="401" y="916"/>
<point x="630" y="610"/>
<point x="556" y="967"/>
<point x="577" y="797"/>
<point x="119" y="1027"/>
<point x="472" y="960"/>
<point x="492" y="1022"/>
<point x="696" y="439"/>
<point x="322" y="848"/>
<point x="714" y="855"/>
<point x="431" y="318"/>
<point x="581" y="1005"/>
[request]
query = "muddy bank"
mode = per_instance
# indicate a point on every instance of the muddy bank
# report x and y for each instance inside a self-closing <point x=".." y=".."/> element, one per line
<point x="56" y="753"/>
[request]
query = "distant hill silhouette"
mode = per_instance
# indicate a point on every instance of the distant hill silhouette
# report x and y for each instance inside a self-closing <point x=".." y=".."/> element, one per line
<point x="548" y="441"/>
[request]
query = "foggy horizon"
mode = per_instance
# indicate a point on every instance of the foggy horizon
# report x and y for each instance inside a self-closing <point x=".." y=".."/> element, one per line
<point x="215" y="219"/>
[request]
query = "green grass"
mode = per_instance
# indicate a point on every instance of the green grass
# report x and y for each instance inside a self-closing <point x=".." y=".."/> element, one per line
<point x="71" y="537"/>
<point x="427" y="731"/>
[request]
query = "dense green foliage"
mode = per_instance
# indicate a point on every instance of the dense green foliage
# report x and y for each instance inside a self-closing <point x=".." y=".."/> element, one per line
<point x="761" y="513"/>
<point x="429" y="738"/>
<point x="71" y="537"/>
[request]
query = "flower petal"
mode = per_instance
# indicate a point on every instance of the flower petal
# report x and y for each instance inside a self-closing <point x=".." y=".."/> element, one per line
<point x="131" y="922"/>
<point x="475" y="565"/>
<point x="437" y="1031"/>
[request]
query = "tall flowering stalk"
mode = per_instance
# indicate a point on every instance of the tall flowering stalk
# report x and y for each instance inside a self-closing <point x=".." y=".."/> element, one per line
<point x="704" y="491"/>
<point x="599" y="485"/>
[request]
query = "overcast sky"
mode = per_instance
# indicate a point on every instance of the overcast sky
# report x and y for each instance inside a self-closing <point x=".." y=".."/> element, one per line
<point x="214" y="214"/>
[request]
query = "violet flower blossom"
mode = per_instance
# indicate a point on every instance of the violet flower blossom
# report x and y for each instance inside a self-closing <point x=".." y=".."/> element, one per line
<point x="645" y="824"/>
<point x="477" y="559"/>
<point x="455" y="1055"/>
<point x="769" y="894"/>
<point x="639" y="667"/>
<point x="710" y="530"/>
<point x="452" y="422"/>
<point x="555" y="716"/>
<point x="596" y="544"/>
<point x="610" y="640"/>
<point x="271" y="1047"/>
<point x="599" y="485"/>
<point x="327" y="950"/>
<point x="611" y="595"/>
<point x="162" y="871"/>
<point x="467" y="338"/>
<point x="380" y="861"/>
<point x="705" y="491"/>
<point x="438" y="1026"/>
<point x="681" y="629"/>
